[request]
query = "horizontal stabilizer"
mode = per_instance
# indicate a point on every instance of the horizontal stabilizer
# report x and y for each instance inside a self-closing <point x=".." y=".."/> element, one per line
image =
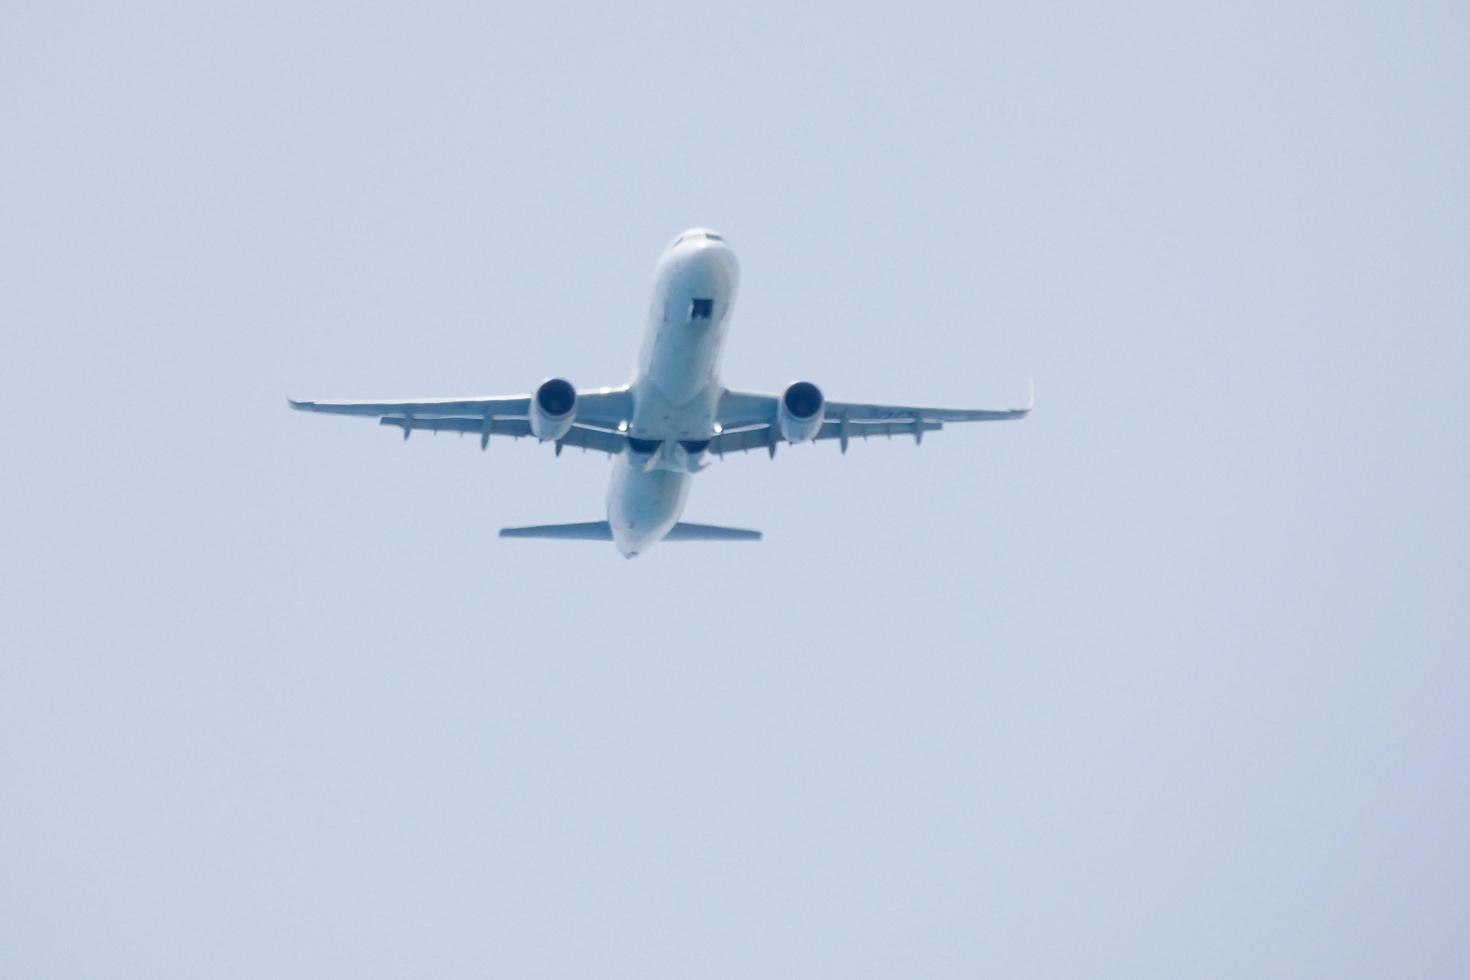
<point x="710" y="532"/>
<point x="600" y="531"/>
<point x="586" y="531"/>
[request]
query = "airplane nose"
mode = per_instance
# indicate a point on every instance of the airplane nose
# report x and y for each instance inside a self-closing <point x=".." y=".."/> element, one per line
<point x="699" y="277"/>
<point x="719" y="258"/>
<point x="707" y="261"/>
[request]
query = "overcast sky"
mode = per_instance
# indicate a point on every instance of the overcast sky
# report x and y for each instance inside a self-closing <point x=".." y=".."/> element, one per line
<point x="1170" y="680"/>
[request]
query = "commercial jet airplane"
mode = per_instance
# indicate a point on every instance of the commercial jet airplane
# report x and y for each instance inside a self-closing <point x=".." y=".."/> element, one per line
<point x="664" y="426"/>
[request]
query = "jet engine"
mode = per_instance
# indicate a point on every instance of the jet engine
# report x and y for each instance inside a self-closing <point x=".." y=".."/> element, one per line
<point x="553" y="406"/>
<point x="800" y="416"/>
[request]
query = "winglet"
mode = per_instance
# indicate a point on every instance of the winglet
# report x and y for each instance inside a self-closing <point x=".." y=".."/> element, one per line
<point x="1031" y="394"/>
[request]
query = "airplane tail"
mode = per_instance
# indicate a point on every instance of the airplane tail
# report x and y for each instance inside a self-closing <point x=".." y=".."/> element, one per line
<point x="601" y="531"/>
<point x="710" y="532"/>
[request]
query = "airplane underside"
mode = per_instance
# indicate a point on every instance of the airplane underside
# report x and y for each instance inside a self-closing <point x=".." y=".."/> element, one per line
<point x="664" y="426"/>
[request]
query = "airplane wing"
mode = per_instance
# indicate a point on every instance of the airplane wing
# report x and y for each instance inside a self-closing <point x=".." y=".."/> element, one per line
<point x="748" y="420"/>
<point x="599" y="413"/>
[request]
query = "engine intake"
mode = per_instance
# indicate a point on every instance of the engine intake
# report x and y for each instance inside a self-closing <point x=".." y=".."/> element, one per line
<point x="553" y="407"/>
<point x="799" y="418"/>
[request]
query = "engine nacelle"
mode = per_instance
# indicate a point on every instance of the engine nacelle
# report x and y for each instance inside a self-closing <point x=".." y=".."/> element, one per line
<point x="799" y="418"/>
<point x="553" y="406"/>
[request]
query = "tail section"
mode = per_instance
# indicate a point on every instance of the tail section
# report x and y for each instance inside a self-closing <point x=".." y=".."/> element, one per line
<point x="588" y="531"/>
<point x="710" y="532"/>
<point x="601" y="531"/>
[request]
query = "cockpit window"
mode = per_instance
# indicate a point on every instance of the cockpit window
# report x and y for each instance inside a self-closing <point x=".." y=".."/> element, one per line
<point x="695" y="235"/>
<point x="700" y="309"/>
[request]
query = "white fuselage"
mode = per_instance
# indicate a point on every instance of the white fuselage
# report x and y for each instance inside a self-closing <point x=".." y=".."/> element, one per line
<point x="676" y="389"/>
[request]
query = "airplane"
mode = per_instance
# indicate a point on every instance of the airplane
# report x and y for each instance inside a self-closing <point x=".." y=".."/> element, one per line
<point x="675" y="415"/>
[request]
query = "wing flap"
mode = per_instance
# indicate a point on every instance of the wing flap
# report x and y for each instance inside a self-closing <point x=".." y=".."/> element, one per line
<point x="762" y="436"/>
<point x="579" y="436"/>
<point x="515" y="428"/>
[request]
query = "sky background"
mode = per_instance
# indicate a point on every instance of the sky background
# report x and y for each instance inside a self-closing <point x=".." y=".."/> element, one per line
<point x="1171" y="679"/>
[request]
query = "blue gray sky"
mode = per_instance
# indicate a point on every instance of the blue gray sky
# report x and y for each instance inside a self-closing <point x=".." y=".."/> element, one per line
<point x="1168" y="680"/>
